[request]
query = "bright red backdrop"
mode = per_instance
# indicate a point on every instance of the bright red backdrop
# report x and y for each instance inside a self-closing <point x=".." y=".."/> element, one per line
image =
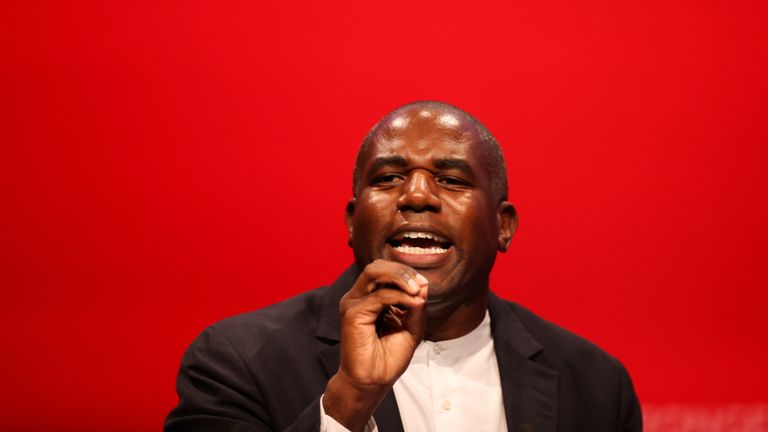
<point x="164" y="165"/>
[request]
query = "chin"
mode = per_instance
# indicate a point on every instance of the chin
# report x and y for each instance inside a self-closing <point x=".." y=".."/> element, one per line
<point x="446" y="296"/>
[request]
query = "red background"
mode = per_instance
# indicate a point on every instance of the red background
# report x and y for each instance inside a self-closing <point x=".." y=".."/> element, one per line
<point x="164" y="165"/>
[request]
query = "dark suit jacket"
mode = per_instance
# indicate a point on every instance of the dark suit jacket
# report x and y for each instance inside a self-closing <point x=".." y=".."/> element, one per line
<point x="266" y="370"/>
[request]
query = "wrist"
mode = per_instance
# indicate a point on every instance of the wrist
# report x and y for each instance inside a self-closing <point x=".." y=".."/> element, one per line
<point x="352" y="404"/>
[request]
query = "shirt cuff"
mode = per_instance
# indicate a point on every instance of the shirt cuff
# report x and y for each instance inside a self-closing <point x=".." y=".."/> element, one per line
<point x="329" y="424"/>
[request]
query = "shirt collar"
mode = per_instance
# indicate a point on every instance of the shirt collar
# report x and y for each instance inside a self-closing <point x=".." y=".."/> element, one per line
<point x="462" y="346"/>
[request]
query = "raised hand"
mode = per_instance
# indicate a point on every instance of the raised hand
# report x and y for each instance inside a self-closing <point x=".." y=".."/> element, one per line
<point x="383" y="318"/>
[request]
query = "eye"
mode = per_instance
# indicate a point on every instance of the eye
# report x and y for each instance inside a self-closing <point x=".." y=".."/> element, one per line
<point x="388" y="179"/>
<point x="451" y="181"/>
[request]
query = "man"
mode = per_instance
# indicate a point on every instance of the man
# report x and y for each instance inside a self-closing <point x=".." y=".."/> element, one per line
<point x="410" y="338"/>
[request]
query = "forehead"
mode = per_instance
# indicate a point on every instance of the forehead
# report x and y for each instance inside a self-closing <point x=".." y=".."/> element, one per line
<point x="426" y="133"/>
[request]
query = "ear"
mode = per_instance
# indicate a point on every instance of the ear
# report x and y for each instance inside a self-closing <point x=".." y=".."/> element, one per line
<point x="349" y="212"/>
<point x="507" y="221"/>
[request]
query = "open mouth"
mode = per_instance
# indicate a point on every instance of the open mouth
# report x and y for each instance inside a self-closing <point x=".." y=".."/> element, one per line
<point x="419" y="243"/>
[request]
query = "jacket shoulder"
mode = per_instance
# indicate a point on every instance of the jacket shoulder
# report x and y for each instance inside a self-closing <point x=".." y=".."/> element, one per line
<point x="594" y="390"/>
<point x="293" y="319"/>
<point x="562" y="347"/>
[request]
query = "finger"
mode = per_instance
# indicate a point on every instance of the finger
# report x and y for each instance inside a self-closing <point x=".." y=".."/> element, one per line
<point x="392" y="297"/>
<point x="369" y="307"/>
<point x="415" y="321"/>
<point x="396" y="313"/>
<point x="392" y="317"/>
<point x="382" y="273"/>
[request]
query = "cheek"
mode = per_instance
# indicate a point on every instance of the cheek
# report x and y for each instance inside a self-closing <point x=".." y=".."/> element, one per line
<point x="474" y="219"/>
<point x="458" y="202"/>
<point x="470" y="210"/>
<point x="375" y="206"/>
<point x="378" y="201"/>
<point x="373" y="213"/>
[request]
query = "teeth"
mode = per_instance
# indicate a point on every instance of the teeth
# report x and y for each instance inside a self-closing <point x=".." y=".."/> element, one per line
<point x="420" y="251"/>
<point x="424" y="235"/>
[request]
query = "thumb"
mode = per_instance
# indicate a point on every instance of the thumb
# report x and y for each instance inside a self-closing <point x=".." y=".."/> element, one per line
<point x="415" y="321"/>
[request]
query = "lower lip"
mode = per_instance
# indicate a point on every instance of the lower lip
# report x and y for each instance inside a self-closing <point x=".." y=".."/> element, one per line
<point x="420" y="260"/>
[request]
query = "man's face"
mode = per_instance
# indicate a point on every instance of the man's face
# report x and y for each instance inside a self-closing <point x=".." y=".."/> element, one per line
<point x="425" y="200"/>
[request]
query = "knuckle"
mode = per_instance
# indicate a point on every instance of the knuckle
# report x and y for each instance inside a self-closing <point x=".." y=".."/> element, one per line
<point x="372" y="268"/>
<point x="346" y="310"/>
<point x="381" y="296"/>
<point x="345" y="304"/>
<point x="343" y="309"/>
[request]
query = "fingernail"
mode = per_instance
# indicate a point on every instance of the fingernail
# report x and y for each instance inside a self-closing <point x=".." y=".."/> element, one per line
<point x="413" y="284"/>
<point x="422" y="280"/>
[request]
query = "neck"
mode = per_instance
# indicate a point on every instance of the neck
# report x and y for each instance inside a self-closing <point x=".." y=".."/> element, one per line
<point x="457" y="321"/>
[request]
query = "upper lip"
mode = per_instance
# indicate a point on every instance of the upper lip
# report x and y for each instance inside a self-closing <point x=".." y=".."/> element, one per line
<point x="417" y="228"/>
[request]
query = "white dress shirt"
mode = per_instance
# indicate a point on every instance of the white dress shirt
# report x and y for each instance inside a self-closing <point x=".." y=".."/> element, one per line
<point x="451" y="385"/>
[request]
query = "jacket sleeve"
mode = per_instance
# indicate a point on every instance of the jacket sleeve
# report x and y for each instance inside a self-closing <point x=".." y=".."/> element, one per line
<point x="630" y="415"/>
<point x="217" y="393"/>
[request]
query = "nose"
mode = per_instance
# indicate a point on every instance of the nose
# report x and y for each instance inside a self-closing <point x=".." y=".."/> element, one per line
<point x="418" y="193"/>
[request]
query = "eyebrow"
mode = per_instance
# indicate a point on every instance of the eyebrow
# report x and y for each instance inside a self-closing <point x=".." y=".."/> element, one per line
<point x="385" y="161"/>
<point x="440" y="163"/>
<point x="453" y="163"/>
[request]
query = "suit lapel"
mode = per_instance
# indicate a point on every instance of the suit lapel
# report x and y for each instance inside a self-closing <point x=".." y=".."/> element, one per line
<point x="529" y="389"/>
<point x="387" y="415"/>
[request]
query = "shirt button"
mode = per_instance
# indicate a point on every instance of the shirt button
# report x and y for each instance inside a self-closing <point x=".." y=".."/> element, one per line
<point x="437" y="349"/>
<point x="447" y="405"/>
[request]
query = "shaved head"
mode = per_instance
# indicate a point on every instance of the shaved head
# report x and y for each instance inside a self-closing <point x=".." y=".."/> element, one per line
<point x="448" y="116"/>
